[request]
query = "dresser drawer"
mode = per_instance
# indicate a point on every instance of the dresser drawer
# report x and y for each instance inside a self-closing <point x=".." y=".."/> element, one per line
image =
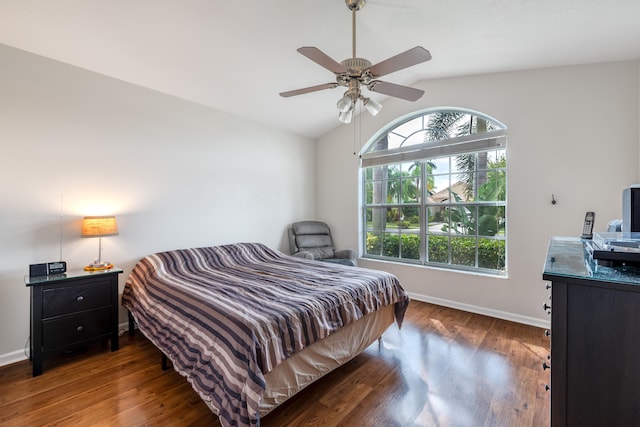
<point x="72" y="299"/>
<point x="75" y="328"/>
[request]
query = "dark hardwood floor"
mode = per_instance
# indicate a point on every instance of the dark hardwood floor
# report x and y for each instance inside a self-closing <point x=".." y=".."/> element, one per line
<point x="444" y="368"/>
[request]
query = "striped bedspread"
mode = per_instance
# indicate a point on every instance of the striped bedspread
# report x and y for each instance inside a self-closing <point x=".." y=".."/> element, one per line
<point x="227" y="315"/>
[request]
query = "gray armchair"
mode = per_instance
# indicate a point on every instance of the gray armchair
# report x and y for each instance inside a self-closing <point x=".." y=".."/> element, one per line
<point x="312" y="240"/>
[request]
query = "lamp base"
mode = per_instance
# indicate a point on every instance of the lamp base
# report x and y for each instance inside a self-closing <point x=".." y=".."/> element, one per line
<point x="103" y="266"/>
<point x="98" y="264"/>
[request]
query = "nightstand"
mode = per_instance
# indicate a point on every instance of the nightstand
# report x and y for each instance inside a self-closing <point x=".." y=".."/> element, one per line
<point x="71" y="309"/>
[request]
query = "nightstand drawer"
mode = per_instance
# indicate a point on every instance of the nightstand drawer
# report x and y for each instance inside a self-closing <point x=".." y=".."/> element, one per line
<point x="76" y="328"/>
<point x="72" y="299"/>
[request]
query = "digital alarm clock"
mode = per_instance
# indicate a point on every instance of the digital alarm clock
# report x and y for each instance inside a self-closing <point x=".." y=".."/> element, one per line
<point x="47" y="268"/>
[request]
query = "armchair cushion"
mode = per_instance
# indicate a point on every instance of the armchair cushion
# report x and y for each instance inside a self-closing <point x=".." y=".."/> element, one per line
<point x="318" y="244"/>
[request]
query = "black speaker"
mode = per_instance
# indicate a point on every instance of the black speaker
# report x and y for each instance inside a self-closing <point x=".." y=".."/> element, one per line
<point x="36" y="270"/>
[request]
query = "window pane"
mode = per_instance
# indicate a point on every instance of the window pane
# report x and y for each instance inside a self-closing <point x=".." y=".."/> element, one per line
<point x="374" y="243"/>
<point x="411" y="190"/>
<point x="416" y="138"/>
<point x="378" y="219"/>
<point x="440" y="165"/>
<point x="495" y="186"/>
<point x="497" y="158"/>
<point x="410" y="246"/>
<point x="408" y="128"/>
<point x="462" y="220"/>
<point x="378" y="188"/>
<point x="462" y="188"/>
<point x="488" y="220"/>
<point x="391" y="245"/>
<point x="410" y="218"/>
<point x="410" y="169"/>
<point x="393" y="171"/>
<point x="368" y="173"/>
<point x="394" y="141"/>
<point x="491" y="254"/>
<point x="463" y="251"/>
<point x="438" y="249"/>
<point x="440" y="192"/>
<point x="409" y="224"/>
<point x="394" y="191"/>
<point x="368" y="191"/>
<point x="438" y="220"/>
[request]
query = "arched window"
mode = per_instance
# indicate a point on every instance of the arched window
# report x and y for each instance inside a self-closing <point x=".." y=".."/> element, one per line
<point x="434" y="191"/>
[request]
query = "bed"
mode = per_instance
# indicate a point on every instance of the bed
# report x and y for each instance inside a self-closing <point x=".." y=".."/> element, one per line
<point x="249" y="326"/>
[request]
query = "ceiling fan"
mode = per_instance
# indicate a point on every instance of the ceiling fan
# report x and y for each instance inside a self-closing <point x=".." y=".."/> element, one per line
<point x="356" y="73"/>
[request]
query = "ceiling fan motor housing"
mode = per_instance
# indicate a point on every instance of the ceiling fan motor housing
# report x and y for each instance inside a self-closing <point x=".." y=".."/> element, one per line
<point x="356" y="74"/>
<point x="355" y="66"/>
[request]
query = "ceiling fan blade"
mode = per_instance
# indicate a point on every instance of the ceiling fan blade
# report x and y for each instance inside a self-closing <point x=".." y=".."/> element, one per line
<point x="308" y="89"/>
<point x="398" y="91"/>
<point x="402" y="60"/>
<point x="322" y="59"/>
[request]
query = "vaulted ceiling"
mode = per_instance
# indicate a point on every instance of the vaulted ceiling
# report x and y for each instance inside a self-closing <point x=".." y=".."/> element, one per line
<point x="237" y="56"/>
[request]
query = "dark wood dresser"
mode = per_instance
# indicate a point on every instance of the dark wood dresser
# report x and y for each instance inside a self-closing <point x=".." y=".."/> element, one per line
<point x="71" y="309"/>
<point x="595" y="339"/>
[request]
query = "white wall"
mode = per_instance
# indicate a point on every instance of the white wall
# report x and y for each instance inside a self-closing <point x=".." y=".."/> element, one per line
<point x="572" y="132"/>
<point x="175" y="174"/>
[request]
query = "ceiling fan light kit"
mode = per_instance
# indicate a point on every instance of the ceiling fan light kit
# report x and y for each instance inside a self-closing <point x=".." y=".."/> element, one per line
<point x="356" y="73"/>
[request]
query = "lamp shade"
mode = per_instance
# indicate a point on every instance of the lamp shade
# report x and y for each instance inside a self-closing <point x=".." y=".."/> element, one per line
<point x="98" y="226"/>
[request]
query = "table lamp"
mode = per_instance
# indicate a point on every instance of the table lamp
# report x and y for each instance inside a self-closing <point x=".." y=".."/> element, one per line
<point x="99" y="226"/>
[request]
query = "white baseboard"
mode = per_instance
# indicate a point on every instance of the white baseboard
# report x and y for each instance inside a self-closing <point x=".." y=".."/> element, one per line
<point x="19" y="355"/>
<point x="533" y="321"/>
<point x="12" y="357"/>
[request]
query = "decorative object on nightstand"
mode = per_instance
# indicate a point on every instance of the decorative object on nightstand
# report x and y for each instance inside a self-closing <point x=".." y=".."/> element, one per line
<point x="70" y="310"/>
<point x="99" y="226"/>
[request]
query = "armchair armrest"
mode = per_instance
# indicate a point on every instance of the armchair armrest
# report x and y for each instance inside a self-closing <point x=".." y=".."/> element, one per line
<point x="345" y="254"/>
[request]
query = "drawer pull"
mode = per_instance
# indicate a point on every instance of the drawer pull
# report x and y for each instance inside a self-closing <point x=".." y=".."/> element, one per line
<point x="546" y="307"/>
<point x="547" y="387"/>
<point x="547" y="333"/>
<point x="80" y="328"/>
<point x="79" y="298"/>
<point x="545" y="366"/>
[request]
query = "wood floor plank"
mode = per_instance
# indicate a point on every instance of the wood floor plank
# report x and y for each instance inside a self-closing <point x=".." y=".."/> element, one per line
<point x="445" y="367"/>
